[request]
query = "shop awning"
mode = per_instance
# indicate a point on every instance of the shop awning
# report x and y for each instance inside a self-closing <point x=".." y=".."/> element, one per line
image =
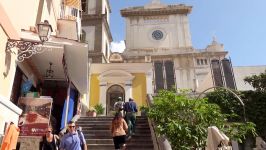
<point x="76" y="59"/>
<point x="77" y="66"/>
<point x="73" y="3"/>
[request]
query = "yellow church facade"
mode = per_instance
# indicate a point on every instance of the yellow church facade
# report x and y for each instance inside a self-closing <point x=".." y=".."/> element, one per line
<point x="119" y="81"/>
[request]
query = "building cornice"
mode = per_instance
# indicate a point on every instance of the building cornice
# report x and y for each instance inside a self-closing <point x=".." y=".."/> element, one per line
<point x="168" y="10"/>
<point x="192" y="54"/>
<point x="91" y="17"/>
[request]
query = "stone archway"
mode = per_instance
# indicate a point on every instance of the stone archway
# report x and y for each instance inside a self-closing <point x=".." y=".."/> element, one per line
<point x="113" y="94"/>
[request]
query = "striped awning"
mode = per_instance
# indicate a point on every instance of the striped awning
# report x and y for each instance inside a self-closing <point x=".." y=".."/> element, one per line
<point x="73" y="3"/>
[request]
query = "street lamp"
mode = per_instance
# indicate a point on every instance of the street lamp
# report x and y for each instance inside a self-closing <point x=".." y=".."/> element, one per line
<point x="28" y="48"/>
<point x="44" y="30"/>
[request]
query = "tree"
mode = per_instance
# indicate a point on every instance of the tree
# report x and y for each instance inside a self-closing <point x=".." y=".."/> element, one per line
<point x="228" y="103"/>
<point x="257" y="81"/>
<point x="256" y="102"/>
<point x="184" y="121"/>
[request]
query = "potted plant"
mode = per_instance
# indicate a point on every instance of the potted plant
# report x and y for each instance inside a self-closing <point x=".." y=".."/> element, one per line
<point x="99" y="109"/>
<point x="143" y="110"/>
<point x="91" y="112"/>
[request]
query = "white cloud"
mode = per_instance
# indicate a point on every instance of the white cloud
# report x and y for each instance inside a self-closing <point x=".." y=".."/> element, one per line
<point x="118" y="46"/>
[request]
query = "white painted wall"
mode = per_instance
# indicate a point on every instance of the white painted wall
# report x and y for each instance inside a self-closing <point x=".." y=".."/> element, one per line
<point x="175" y="29"/>
<point x="5" y="67"/>
<point x="24" y="13"/>
<point x="105" y="42"/>
<point x="10" y="112"/>
<point x="105" y="7"/>
<point x="245" y="71"/>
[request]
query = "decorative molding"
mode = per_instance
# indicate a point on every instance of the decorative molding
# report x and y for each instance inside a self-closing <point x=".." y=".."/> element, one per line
<point x="26" y="49"/>
<point x="168" y="10"/>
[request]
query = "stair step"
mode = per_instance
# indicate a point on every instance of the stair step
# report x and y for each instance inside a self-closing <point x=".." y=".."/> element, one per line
<point x="111" y="146"/>
<point x="100" y="127"/>
<point x="110" y="141"/>
<point x="98" y="136"/>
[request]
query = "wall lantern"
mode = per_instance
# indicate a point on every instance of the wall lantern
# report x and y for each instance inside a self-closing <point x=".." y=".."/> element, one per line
<point x="28" y="48"/>
<point x="44" y="30"/>
<point x="50" y="71"/>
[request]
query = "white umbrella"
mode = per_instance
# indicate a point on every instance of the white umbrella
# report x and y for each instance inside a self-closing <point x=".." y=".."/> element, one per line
<point x="215" y="137"/>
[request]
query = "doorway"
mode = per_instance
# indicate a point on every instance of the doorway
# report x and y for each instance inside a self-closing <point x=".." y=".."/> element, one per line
<point x="114" y="94"/>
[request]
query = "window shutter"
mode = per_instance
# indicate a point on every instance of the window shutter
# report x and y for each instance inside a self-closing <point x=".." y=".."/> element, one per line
<point x="216" y="72"/>
<point x="159" y="83"/>
<point x="170" y="76"/>
<point x="228" y="74"/>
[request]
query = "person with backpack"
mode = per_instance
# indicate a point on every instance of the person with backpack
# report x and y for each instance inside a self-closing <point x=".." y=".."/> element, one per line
<point x="83" y="143"/>
<point x="130" y="108"/>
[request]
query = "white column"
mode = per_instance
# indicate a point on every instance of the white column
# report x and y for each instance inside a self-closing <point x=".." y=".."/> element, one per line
<point x="103" y="89"/>
<point x="128" y="90"/>
<point x="149" y="82"/>
<point x="178" y="78"/>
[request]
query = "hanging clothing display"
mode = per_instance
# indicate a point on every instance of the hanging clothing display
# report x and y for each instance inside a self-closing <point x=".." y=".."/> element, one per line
<point x="10" y="138"/>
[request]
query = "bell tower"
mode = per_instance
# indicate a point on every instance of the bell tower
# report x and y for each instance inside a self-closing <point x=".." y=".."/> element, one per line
<point x="157" y="27"/>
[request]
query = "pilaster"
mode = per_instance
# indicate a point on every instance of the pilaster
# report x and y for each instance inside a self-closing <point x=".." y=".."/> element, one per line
<point x="103" y="89"/>
<point x="128" y="90"/>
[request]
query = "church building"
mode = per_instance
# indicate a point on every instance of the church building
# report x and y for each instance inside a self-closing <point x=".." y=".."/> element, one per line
<point x="159" y="55"/>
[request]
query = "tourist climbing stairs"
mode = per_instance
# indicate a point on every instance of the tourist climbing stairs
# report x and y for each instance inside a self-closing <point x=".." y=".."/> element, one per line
<point x="98" y="135"/>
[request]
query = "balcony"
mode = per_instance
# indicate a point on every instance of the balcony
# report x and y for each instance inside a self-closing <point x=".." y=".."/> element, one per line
<point x="69" y="23"/>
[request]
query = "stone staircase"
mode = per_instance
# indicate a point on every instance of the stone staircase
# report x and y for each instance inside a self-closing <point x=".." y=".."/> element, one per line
<point x="98" y="135"/>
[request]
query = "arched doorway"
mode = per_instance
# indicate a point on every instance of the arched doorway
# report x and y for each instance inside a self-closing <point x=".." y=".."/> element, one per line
<point x="113" y="94"/>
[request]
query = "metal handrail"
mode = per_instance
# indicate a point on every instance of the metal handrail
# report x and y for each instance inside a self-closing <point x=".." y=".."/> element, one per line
<point x="238" y="98"/>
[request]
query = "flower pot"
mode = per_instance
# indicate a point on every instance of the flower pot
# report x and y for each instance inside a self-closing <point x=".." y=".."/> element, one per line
<point x="91" y="114"/>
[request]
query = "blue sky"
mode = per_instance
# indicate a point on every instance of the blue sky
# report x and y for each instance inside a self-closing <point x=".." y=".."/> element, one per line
<point x="238" y="24"/>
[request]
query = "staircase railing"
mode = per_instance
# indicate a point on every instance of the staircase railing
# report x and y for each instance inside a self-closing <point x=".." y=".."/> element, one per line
<point x="154" y="136"/>
<point x="159" y="142"/>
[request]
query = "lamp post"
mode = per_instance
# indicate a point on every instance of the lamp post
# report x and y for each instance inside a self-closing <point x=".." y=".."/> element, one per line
<point x="28" y="48"/>
<point x="229" y="90"/>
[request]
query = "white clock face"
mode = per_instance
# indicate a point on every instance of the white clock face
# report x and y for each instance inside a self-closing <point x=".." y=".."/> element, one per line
<point x="157" y="35"/>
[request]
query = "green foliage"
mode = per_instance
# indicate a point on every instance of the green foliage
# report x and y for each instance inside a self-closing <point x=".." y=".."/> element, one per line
<point x="143" y="108"/>
<point x="99" y="109"/>
<point x="257" y="81"/>
<point x="228" y="103"/>
<point x="256" y="110"/>
<point x="184" y="121"/>
<point x="256" y="102"/>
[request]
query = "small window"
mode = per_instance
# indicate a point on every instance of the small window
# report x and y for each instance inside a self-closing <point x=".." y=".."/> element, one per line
<point x="205" y="62"/>
<point x="202" y="62"/>
<point x="198" y="61"/>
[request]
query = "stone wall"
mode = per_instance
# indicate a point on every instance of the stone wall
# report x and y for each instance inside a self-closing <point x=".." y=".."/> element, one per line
<point x="27" y="143"/>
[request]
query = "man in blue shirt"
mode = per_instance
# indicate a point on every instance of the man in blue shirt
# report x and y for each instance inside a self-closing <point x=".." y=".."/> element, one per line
<point x="131" y="110"/>
<point x="70" y="141"/>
